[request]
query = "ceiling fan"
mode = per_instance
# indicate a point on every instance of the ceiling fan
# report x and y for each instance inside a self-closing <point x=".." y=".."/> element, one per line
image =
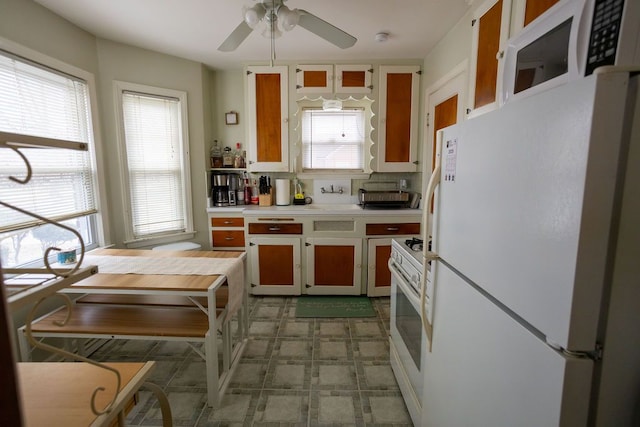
<point x="268" y="13"/>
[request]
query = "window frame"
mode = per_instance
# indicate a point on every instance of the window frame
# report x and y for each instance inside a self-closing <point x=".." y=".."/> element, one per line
<point x="98" y="221"/>
<point x="363" y="103"/>
<point x="311" y="110"/>
<point x="131" y="241"/>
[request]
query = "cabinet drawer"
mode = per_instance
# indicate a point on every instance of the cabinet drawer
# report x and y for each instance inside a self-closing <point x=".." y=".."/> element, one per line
<point x="390" y="228"/>
<point x="227" y="222"/>
<point x="275" y="228"/>
<point x="231" y="238"/>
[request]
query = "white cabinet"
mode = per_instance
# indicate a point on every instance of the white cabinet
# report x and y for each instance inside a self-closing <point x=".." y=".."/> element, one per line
<point x="226" y="231"/>
<point x="378" y="274"/>
<point x="352" y="78"/>
<point x="398" y="108"/>
<point x="268" y="119"/>
<point x="274" y="256"/>
<point x="334" y="266"/>
<point x="379" y="250"/>
<point x="275" y="265"/>
<point x="323" y="79"/>
<point x="490" y="24"/>
<point x="314" y="79"/>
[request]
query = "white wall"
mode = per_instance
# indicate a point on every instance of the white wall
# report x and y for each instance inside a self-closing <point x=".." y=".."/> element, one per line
<point x="131" y="64"/>
<point x="31" y="25"/>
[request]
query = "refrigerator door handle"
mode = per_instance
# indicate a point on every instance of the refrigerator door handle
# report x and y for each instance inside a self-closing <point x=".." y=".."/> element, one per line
<point x="428" y="255"/>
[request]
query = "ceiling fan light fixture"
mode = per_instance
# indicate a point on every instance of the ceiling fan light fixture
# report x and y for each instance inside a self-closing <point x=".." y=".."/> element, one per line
<point x="266" y="33"/>
<point x="288" y="18"/>
<point x="254" y="14"/>
<point x="332" y="105"/>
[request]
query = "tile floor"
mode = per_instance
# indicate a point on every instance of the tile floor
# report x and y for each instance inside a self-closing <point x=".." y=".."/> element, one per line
<point x="294" y="372"/>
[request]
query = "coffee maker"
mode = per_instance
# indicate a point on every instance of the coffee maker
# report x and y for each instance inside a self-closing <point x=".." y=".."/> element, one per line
<point x="220" y="189"/>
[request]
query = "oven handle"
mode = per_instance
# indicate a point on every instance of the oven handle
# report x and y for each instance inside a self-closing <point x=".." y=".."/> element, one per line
<point x="428" y="255"/>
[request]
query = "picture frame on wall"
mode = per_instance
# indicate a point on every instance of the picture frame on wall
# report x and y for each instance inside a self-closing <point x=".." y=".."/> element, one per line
<point x="231" y="118"/>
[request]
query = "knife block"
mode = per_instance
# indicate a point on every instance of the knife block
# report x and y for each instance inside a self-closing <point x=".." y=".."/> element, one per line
<point x="265" y="199"/>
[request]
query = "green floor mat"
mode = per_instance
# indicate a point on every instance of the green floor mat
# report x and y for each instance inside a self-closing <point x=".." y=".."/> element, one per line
<point x="332" y="306"/>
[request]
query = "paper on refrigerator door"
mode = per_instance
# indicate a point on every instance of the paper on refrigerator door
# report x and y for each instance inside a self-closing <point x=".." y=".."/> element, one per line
<point x="450" y="157"/>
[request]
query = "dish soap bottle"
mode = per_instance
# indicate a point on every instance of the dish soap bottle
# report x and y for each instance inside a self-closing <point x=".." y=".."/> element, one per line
<point x="298" y="198"/>
<point x="216" y="155"/>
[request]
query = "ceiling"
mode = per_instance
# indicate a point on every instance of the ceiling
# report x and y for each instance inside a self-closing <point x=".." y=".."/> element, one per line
<point x="193" y="29"/>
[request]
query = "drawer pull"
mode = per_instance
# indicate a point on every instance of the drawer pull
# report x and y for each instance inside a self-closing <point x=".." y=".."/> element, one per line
<point x="228" y="222"/>
<point x="229" y="238"/>
<point x="274" y="228"/>
<point x="393" y="228"/>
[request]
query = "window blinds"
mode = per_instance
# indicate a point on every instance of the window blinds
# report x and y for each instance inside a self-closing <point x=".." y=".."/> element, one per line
<point x="154" y="149"/>
<point x="333" y="139"/>
<point x="35" y="100"/>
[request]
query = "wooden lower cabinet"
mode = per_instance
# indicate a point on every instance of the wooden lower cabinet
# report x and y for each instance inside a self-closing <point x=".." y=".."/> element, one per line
<point x="227" y="232"/>
<point x="379" y="250"/>
<point x="275" y="265"/>
<point x="379" y="276"/>
<point x="334" y="266"/>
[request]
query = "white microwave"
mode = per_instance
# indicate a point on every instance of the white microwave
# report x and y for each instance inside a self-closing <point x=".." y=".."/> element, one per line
<point x="569" y="41"/>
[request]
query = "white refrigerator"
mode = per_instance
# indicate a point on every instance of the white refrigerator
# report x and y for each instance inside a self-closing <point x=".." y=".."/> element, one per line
<point x="535" y="306"/>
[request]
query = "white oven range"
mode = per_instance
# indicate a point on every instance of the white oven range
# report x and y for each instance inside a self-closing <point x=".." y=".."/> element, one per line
<point x="408" y="341"/>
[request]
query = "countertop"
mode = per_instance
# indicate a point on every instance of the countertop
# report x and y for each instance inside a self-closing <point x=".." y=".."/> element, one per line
<point x="314" y="209"/>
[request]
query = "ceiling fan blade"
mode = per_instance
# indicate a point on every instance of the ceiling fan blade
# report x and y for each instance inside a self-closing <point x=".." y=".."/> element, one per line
<point x="234" y="40"/>
<point x="322" y="28"/>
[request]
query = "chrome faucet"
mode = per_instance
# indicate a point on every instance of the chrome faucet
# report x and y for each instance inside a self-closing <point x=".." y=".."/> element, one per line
<point x="324" y="190"/>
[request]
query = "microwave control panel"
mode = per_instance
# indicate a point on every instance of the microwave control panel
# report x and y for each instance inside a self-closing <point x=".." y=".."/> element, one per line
<point x="605" y="31"/>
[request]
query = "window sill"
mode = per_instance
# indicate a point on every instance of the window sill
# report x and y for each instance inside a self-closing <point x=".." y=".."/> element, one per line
<point x="159" y="240"/>
<point x="333" y="175"/>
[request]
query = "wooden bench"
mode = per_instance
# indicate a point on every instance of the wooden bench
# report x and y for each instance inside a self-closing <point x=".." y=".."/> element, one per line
<point x="117" y="316"/>
<point x="222" y="296"/>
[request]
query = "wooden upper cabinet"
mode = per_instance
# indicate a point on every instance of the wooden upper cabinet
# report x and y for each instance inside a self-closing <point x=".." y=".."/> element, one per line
<point x="535" y="8"/>
<point x="267" y="112"/>
<point x="398" y="119"/>
<point x="353" y="78"/>
<point x="490" y="31"/>
<point x="314" y="78"/>
<point x="320" y="79"/>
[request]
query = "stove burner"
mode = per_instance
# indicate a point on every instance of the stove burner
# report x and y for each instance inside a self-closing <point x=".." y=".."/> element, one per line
<point x="414" y="244"/>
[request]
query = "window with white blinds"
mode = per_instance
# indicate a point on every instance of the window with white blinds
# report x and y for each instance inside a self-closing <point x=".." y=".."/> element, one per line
<point x="333" y="139"/>
<point x="36" y="100"/>
<point x="156" y="164"/>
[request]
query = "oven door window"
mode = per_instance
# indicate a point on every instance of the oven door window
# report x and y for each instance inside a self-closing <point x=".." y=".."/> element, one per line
<point x="409" y="326"/>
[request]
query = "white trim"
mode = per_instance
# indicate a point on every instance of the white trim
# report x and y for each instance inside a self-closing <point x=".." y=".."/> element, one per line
<point x="448" y="85"/>
<point x="130" y="240"/>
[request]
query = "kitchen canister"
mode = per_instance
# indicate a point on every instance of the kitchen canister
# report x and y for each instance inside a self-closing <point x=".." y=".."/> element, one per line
<point x="67" y="257"/>
<point x="283" y="192"/>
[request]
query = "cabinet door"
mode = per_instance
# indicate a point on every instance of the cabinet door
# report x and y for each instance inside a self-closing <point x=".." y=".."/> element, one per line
<point x="268" y="112"/>
<point x="275" y="265"/>
<point x="398" y="119"/>
<point x="490" y="31"/>
<point x="334" y="266"/>
<point x="314" y="78"/>
<point x="379" y="276"/>
<point x="535" y="8"/>
<point x="353" y="78"/>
